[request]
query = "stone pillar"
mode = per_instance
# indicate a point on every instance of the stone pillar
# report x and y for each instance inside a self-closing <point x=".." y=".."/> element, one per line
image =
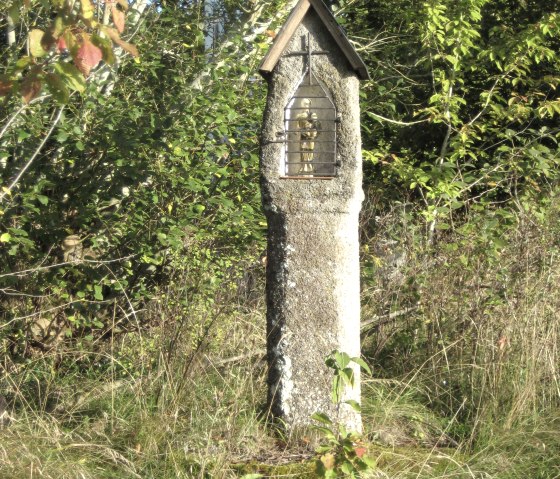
<point x="313" y="279"/>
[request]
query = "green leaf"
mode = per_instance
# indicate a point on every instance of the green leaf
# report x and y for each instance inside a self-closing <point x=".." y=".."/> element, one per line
<point x="5" y="238"/>
<point x="347" y="467"/>
<point x="347" y="375"/>
<point x="370" y="461"/>
<point x="57" y="87"/>
<point x="24" y="62"/>
<point x="59" y="25"/>
<point x="22" y="135"/>
<point x="355" y="405"/>
<point x="325" y="431"/>
<point x="71" y="76"/>
<point x="252" y="476"/>
<point x="342" y="359"/>
<point x="360" y="362"/>
<point x="336" y="390"/>
<point x="321" y="417"/>
<point x="106" y="47"/>
<point x="98" y="292"/>
<point x="62" y="136"/>
<point x="44" y="200"/>
<point x="18" y="232"/>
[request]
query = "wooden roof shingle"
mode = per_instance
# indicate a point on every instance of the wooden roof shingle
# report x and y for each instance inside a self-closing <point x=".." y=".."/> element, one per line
<point x="287" y="31"/>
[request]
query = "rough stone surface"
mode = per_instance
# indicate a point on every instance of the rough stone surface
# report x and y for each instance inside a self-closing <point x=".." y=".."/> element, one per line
<point x="313" y="285"/>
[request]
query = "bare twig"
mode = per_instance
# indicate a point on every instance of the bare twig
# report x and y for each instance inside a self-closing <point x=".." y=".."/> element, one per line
<point x="396" y="122"/>
<point x="12" y="119"/>
<point x="377" y="321"/>
<point x="8" y="190"/>
<point x="261" y="353"/>
<point x="65" y="263"/>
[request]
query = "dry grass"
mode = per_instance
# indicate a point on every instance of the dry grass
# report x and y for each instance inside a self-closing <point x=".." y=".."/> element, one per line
<point x="466" y="380"/>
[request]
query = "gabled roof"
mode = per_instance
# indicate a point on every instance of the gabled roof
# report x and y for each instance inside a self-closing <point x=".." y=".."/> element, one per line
<point x="326" y="16"/>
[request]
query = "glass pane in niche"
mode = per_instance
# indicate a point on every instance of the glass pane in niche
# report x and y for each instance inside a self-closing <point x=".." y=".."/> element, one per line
<point x="310" y="123"/>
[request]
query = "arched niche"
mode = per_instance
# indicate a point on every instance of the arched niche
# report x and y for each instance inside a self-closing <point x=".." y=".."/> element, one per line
<point x="310" y="124"/>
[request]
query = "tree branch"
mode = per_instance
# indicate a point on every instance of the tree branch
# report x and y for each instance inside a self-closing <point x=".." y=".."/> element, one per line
<point x="396" y="122"/>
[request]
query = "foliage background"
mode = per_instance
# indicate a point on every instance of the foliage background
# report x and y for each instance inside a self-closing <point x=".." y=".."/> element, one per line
<point x="146" y="335"/>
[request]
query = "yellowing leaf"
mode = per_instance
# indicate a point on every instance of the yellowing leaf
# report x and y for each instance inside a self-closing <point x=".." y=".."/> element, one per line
<point x="30" y="88"/>
<point x="5" y="87"/>
<point x="114" y="35"/>
<point x="118" y="18"/>
<point x="87" y="9"/>
<point x="59" y="26"/>
<point x="328" y="461"/>
<point x="124" y="4"/>
<point x="35" y="39"/>
<point x="5" y="238"/>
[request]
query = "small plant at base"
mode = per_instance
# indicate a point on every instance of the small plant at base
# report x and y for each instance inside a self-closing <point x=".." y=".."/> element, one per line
<point x="344" y="453"/>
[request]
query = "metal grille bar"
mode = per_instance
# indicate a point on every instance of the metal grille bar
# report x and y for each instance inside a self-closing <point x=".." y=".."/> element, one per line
<point x="306" y="154"/>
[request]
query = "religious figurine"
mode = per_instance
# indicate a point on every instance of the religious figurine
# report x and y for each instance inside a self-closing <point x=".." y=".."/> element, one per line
<point x="309" y="128"/>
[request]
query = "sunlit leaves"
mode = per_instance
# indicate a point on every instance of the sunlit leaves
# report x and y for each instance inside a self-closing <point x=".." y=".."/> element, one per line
<point x="86" y="9"/>
<point x="71" y="35"/>
<point x="35" y="43"/>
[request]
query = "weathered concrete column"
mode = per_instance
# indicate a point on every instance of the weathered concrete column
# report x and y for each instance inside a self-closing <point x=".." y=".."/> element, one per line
<point x="311" y="179"/>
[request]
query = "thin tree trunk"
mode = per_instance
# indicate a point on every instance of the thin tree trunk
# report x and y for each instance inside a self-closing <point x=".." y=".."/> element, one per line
<point x="11" y="31"/>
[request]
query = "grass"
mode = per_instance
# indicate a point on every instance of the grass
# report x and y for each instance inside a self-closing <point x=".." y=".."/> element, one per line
<point x="466" y="381"/>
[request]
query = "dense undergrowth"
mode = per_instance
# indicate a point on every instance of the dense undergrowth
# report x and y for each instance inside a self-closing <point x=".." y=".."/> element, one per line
<point x="465" y="382"/>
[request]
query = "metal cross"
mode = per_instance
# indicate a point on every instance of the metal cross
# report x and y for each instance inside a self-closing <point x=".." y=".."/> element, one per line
<point x="308" y="52"/>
